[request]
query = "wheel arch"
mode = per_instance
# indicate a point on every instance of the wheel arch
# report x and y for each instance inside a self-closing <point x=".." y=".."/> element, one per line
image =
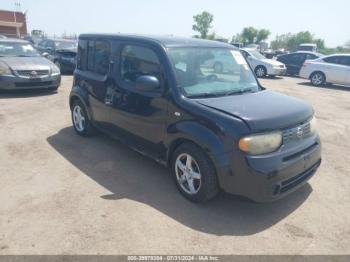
<point x="204" y="138"/>
<point x="318" y="71"/>
<point x="78" y="94"/>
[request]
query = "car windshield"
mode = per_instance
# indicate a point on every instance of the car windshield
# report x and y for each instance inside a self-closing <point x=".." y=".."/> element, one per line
<point x="65" y="45"/>
<point x="17" y="49"/>
<point x="209" y="72"/>
<point x="256" y="54"/>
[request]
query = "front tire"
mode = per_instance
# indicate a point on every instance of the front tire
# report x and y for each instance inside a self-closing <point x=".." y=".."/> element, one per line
<point x="318" y="79"/>
<point x="260" y="71"/>
<point x="194" y="173"/>
<point x="81" y="122"/>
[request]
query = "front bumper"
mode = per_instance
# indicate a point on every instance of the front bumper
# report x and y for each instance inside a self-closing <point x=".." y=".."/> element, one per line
<point x="272" y="176"/>
<point x="13" y="82"/>
<point x="277" y="71"/>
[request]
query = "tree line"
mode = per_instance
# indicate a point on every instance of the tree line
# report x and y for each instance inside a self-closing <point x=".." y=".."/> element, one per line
<point x="251" y="35"/>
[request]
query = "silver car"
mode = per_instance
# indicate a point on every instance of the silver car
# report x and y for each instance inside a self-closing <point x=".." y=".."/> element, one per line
<point x="22" y="67"/>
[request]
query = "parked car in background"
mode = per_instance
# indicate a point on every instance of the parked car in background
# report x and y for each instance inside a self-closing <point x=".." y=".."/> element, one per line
<point x="214" y="131"/>
<point x="261" y="65"/>
<point x="22" y="67"/>
<point x="294" y="61"/>
<point x="329" y="69"/>
<point x="221" y="62"/>
<point x="307" y="47"/>
<point x="60" y="51"/>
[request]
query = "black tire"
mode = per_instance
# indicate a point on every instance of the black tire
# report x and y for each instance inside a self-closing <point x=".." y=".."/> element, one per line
<point x="208" y="183"/>
<point x="318" y="79"/>
<point x="88" y="129"/>
<point x="218" y="67"/>
<point x="260" y="71"/>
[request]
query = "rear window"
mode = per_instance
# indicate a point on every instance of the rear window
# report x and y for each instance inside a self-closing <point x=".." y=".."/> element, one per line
<point x="94" y="56"/>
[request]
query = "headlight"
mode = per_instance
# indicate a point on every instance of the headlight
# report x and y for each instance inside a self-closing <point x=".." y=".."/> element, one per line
<point x="55" y="70"/>
<point x="4" y="69"/>
<point x="261" y="143"/>
<point x="313" y="125"/>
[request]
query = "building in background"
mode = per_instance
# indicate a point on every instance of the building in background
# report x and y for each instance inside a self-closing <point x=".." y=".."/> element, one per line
<point x="13" y="23"/>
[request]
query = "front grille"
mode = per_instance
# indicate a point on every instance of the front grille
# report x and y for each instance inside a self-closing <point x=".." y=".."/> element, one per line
<point x="296" y="133"/>
<point x="32" y="73"/>
<point x="292" y="182"/>
<point x="33" y="84"/>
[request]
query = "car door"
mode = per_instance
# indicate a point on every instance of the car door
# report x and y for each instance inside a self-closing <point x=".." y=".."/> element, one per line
<point x="296" y="62"/>
<point x="347" y="79"/>
<point x="335" y="69"/>
<point x="137" y="116"/>
<point x="93" y="74"/>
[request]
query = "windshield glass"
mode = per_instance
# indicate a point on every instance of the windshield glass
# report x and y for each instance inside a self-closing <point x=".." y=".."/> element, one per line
<point x="205" y="72"/>
<point x="17" y="49"/>
<point x="66" y="45"/>
<point x="256" y="54"/>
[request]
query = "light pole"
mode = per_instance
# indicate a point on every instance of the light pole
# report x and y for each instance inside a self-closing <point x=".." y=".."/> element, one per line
<point x="17" y="8"/>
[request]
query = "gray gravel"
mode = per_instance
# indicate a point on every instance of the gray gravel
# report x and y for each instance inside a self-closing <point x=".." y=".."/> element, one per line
<point x="63" y="194"/>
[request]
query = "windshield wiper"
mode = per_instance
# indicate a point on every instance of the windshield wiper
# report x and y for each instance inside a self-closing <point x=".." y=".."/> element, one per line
<point x="239" y="91"/>
<point x="203" y="95"/>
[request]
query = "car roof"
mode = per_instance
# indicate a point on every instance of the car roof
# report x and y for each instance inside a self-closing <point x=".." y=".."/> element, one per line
<point x="336" y="55"/>
<point x="60" y="39"/>
<point x="13" y="40"/>
<point x="166" y="41"/>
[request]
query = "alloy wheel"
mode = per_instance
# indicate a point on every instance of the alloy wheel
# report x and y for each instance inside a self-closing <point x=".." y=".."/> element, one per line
<point x="79" y="118"/>
<point x="188" y="174"/>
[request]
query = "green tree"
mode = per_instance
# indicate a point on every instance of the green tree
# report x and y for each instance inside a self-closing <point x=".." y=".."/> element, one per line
<point x="237" y="38"/>
<point x="203" y="23"/>
<point x="251" y="35"/>
<point x="292" y="41"/>
<point x="262" y="35"/>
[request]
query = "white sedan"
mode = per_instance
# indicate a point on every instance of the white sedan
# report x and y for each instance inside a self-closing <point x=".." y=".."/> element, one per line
<point x="328" y="69"/>
<point x="261" y="65"/>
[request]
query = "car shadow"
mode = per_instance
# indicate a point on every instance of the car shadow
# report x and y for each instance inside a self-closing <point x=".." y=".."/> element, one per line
<point x="129" y="175"/>
<point x="5" y="94"/>
<point x="329" y="86"/>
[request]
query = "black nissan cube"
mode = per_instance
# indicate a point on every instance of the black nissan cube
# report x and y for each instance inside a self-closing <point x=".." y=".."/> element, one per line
<point x="215" y="129"/>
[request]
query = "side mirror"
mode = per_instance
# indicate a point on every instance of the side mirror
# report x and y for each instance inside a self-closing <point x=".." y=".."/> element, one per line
<point x="45" y="54"/>
<point x="147" y="83"/>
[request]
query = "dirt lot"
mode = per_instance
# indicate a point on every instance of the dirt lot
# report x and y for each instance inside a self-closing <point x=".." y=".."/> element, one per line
<point x="62" y="194"/>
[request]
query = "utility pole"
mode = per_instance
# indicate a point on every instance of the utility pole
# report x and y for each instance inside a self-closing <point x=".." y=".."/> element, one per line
<point x="17" y="9"/>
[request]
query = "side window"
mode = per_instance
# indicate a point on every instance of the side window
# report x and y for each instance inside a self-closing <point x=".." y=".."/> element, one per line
<point x="332" y="60"/>
<point x="310" y="56"/>
<point x="50" y="44"/>
<point x="82" y="55"/>
<point x="91" y="54"/>
<point x="102" y="55"/>
<point x="344" y="60"/>
<point x="137" y="61"/>
<point x="98" y="54"/>
<point x="42" y="44"/>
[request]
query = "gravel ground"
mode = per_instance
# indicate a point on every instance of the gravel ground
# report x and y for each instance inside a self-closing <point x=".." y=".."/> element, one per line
<point x="63" y="194"/>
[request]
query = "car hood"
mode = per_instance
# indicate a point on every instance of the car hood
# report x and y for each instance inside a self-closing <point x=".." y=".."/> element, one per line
<point x="27" y="63"/>
<point x="262" y="111"/>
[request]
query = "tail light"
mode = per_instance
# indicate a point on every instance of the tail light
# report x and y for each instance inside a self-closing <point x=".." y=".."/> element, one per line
<point x="307" y="62"/>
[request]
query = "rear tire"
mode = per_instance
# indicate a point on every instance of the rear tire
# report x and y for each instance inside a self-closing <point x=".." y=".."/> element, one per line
<point x="81" y="122"/>
<point x="318" y="79"/>
<point x="190" y="163"/>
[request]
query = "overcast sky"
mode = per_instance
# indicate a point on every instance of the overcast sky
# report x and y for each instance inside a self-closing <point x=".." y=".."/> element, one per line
<point x="327" y="19"/>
